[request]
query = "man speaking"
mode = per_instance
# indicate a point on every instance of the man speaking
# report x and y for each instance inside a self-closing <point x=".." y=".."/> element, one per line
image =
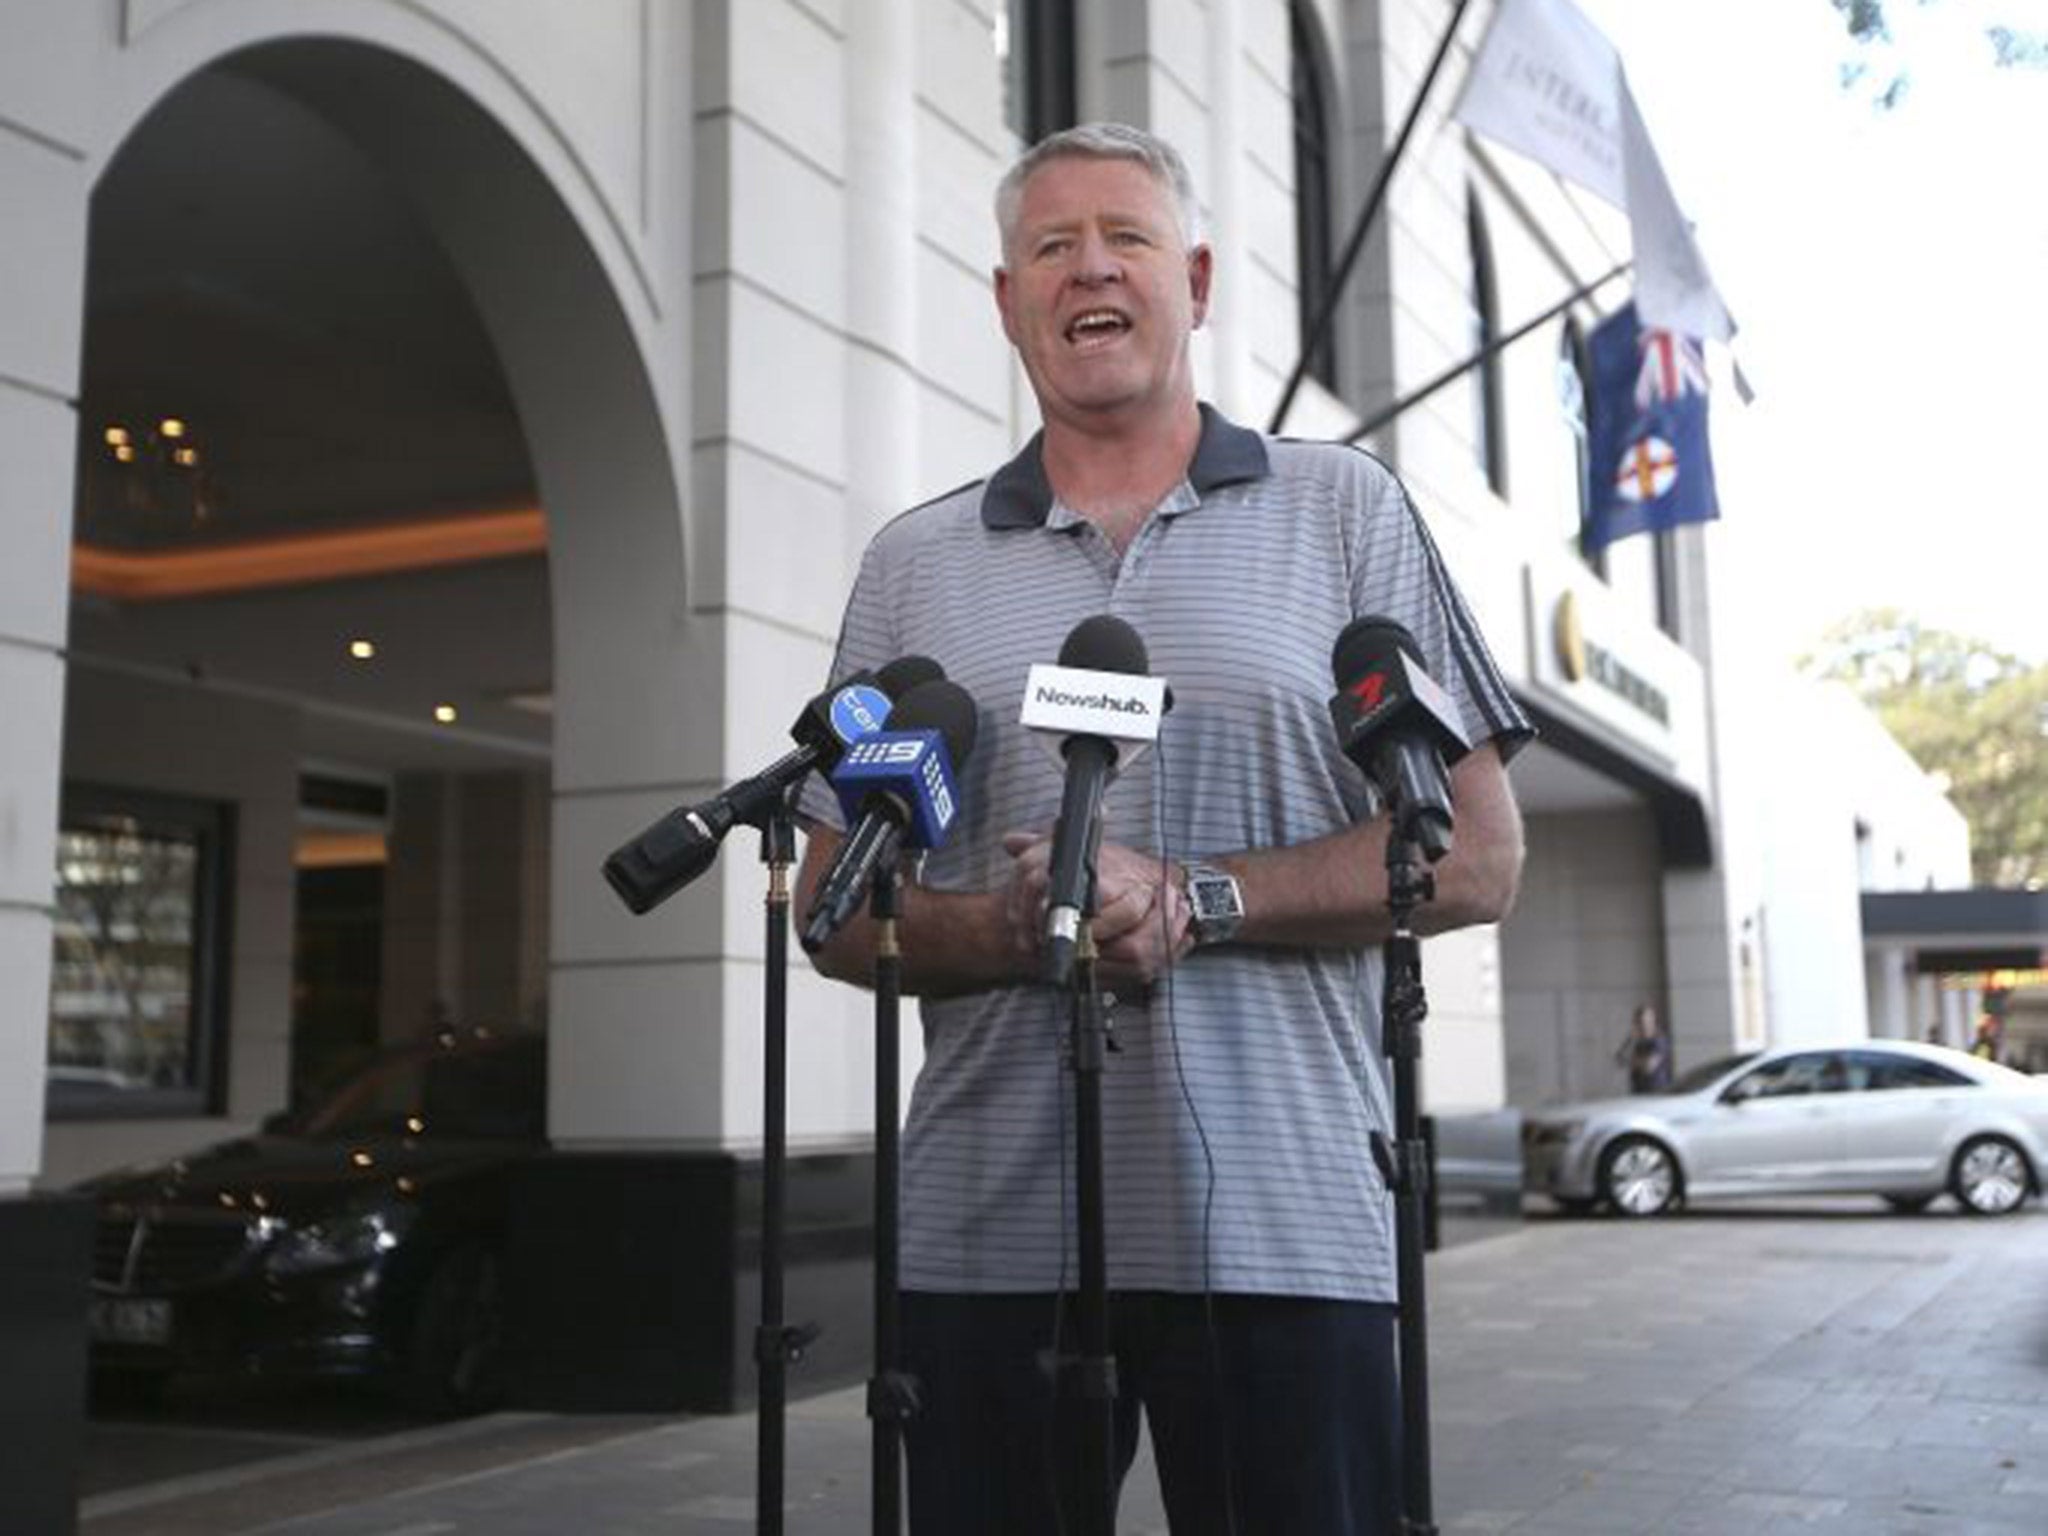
<point x="1240" y="901"/>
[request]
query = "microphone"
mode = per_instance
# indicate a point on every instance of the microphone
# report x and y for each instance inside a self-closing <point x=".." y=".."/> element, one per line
<point x="898" y="790"/>
<point x="1101" y="697"/>
<point x="1399" y="727"/>
<point x="650" y="868"/>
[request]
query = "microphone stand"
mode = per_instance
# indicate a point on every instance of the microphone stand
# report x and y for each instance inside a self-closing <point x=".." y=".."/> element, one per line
<point x="1403" y="1007"/>
<point x="893" y="1393"/>
<point x="775" y="1342"/>
<point x="1090" y="1376"/>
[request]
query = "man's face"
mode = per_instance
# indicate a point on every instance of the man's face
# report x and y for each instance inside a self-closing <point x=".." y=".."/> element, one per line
<point x="1099" y="292"/>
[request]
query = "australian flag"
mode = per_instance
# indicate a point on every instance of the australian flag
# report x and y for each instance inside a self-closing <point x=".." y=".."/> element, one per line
<point x="1646" y="432"/>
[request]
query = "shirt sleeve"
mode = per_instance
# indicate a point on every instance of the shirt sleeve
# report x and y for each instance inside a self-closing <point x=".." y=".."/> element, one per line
<point x="866" y="640"/>
<point x="1397" y="572"/>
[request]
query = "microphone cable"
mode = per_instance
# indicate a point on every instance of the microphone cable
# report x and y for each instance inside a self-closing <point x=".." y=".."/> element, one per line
<point x="1187" y="1093"/>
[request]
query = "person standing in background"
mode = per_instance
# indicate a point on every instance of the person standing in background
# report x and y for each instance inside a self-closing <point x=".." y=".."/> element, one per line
<point x="1646" y="1053"/>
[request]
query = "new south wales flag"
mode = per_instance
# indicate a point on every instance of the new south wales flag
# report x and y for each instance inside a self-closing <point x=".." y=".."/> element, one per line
<point x="1646" y="432"/>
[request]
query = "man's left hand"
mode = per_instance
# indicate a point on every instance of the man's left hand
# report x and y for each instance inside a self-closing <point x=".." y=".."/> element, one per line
<point x="1141" y="920"/>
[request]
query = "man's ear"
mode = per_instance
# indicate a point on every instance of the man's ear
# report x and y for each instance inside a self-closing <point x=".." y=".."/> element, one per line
<point x="1201" y="269"/>
<point x="1002" y="287"/>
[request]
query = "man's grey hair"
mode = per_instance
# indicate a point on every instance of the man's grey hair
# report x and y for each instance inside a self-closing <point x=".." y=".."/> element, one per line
<point x="1100" y="141"/>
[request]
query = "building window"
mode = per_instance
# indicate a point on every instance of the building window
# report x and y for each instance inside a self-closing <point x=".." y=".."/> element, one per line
<point x="1667" y="576"/>
<point x="1035" y="46"/>
<point x="1312" y="209"/>
<point x="1488" y="435"/>
<point x="1574" y="387"/>
<point x="136" y="996"/>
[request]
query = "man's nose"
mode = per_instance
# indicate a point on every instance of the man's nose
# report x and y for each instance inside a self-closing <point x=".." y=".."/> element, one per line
<point x="1096" y="260"/>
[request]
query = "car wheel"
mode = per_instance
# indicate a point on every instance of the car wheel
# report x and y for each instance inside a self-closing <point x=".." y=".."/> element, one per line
<point x="1991" y="1176"/>
<point x="1909" y="1205"/>
<point x="1639" y="1177"/>
<point x="456" y="1361"/>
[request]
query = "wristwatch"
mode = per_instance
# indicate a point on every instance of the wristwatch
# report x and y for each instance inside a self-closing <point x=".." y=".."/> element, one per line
<point x="1216" y="902"/>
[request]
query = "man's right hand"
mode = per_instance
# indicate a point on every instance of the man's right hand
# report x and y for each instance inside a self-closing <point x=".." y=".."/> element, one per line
<point x="1130" y="938"/>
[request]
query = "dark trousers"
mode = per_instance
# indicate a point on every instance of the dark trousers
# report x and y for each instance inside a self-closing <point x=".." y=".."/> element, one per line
<point x="1269" y="1415"/>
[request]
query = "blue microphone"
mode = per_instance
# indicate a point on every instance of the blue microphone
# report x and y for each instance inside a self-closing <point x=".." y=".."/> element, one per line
<point x="898" y="790"/>
<point x="678" y="848"/>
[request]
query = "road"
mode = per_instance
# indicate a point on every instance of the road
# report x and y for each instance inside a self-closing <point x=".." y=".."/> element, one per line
<point x="1818" y="1367"/>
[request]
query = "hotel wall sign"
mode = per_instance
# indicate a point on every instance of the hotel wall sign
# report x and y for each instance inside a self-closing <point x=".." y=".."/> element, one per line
<point x="1586" y="660"/>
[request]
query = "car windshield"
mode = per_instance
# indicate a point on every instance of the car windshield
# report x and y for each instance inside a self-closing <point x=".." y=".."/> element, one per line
<point x="495" y="1092"/>
<point x="1708" y="1072"/>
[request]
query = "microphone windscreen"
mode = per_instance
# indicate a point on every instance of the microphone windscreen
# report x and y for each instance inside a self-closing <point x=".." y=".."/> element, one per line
<point x="1105" y="643"/>
<point x="905" y="673"/>
<point x="943" y="706"/>
<point x="1369" y="643"/>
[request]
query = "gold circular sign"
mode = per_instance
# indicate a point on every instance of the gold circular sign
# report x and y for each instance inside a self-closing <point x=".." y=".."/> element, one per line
<point x="1571" y="640"/>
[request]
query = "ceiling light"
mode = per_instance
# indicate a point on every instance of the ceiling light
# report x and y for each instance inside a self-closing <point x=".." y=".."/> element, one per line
<point x="362" y="650"/>
<point x="117" y="437"/>
<point x="170" y="427"/>
<point x="445" y="713"/>
<point x="185" y="457"/>
<point x="125" y="452"/>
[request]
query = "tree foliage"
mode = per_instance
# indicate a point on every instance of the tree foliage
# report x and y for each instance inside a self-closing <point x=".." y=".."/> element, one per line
<point x="1877" y="54"/>
<point x="1971" y="714"/>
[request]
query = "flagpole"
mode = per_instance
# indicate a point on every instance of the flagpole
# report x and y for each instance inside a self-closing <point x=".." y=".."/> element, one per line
<point x="1451" y="375"/>
<point x="1373" y="198"/>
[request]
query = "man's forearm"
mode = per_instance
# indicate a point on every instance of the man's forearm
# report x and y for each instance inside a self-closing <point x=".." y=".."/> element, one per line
<point x="951" y="941"/>
<point x="1332" y="892"/>
<point x="1328" y="893"/>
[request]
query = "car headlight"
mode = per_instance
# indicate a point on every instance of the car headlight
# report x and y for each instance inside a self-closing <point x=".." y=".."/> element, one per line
<point x="336" y="1242"/>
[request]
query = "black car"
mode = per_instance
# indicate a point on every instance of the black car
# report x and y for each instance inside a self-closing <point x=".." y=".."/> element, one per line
<point x="361" y="1238"/>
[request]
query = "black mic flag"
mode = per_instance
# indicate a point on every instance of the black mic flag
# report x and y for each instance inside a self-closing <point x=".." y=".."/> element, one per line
<point x="1398" y="726"/>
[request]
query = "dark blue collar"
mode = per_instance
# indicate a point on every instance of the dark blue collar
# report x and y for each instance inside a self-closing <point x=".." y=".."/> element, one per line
<point x="1019" y="495"/>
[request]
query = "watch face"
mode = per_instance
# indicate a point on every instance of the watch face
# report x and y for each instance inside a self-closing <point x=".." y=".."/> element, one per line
<point x="1215" y="898"/>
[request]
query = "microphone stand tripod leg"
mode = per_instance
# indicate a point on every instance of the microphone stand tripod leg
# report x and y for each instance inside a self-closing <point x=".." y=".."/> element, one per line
<point x="1091" y="1377"/>
<point x="892" y="1392"/>
<point x="1403" y="1007"/>
<point x="775" y="1343"/>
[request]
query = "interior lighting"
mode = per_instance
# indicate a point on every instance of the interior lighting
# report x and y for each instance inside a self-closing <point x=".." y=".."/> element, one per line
<point x="445" y="713"/>
<point x="170" y="427"/>
<point x="125" y="452"/>
<point x="117" y="437"/>
<point x="362" y="650"/>
<point x="185" y="458"/>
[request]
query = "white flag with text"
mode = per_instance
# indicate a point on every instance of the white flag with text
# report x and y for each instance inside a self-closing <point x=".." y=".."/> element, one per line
<point x="1547" y="83"/>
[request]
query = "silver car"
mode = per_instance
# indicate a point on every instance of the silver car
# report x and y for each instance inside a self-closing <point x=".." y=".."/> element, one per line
<point x="1882" y="1117"/>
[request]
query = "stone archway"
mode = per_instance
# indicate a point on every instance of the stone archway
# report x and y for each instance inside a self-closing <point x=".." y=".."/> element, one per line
<point x="631" y="672"/>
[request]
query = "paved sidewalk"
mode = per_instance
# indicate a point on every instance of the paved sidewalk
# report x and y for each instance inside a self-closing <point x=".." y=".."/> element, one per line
<point x="1824" y="1368"/>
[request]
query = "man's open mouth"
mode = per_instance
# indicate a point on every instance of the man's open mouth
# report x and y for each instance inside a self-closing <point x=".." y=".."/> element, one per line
<point x="1096" y="327"/>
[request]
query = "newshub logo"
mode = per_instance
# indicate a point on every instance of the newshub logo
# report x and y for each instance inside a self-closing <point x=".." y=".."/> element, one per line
<point x="1047" y="694"/>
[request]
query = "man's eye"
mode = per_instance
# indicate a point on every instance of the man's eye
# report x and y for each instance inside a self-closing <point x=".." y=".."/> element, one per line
<point x="1054" y="247"/>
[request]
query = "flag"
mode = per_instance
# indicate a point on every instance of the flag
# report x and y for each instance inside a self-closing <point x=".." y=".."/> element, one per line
<point x="1646" y="432"/>
<point x="1547" y="83"/>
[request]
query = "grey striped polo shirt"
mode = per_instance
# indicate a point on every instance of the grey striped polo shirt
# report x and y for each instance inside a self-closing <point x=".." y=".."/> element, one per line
<point x="1239" y="583"/>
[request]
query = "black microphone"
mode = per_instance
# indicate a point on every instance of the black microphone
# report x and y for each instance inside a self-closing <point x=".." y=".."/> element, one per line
<point x="1103" y="643"/>
<point x="898" y="790"/>
<point x="650" y="868"/>
<point x="1399" y="727"/>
